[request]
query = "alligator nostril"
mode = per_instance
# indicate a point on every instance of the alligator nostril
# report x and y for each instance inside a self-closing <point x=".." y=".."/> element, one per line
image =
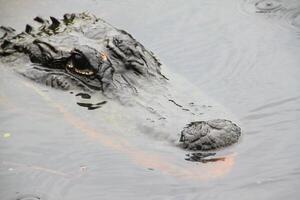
<point x="70" y="65"/>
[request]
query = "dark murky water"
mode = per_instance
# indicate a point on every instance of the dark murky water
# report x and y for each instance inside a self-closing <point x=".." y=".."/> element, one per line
<point x="244" y="54"/>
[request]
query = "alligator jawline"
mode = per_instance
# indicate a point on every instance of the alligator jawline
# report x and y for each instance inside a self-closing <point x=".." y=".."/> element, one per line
<point x="62" y="72"/>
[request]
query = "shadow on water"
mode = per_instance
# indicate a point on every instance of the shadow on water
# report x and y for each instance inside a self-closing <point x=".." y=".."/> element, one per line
<point x="88" y="105"/>
<point x="92" y="106"/>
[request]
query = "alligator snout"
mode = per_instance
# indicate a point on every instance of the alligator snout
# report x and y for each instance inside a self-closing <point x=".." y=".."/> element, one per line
<point x="209" y="135"/>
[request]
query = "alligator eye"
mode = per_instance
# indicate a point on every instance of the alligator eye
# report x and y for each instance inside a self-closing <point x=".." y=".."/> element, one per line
<point x="77" y="57"/>
<point x="79" y="64"/>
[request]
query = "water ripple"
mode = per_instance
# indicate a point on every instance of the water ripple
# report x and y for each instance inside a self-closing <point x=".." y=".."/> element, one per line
<point x="264" y="6"/>
<point x="276" y="103"/>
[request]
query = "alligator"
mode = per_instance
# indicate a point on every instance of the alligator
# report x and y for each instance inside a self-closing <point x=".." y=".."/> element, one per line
<point x="84" y="53"/>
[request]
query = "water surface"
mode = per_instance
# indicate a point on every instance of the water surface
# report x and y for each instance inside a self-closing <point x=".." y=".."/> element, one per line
<point x="243" y="54"/>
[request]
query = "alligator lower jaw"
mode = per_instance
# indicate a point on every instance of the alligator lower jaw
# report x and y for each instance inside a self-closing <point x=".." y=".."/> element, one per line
<point x="60" y="79"/>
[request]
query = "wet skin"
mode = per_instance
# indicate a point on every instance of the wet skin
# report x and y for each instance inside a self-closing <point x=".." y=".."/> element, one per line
<point x="82" y="52"/>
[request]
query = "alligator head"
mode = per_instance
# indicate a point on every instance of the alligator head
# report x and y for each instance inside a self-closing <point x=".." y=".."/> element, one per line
<point x="80" y="51"/>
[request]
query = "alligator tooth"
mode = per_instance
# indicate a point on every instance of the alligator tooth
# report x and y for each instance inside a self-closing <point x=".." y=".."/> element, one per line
<point x="69" y="65"/>
<point x="76" y="70"/>
<point x="84" y="72"/>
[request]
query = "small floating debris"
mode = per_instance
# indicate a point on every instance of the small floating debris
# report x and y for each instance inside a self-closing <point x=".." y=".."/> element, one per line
<point x="83" y="168"/>
<point x="6" y="135"/>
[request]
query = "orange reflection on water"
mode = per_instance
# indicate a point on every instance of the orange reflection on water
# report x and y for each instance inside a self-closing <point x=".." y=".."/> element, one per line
<point x="6" y="104"/>
<point x="185" y="170"/>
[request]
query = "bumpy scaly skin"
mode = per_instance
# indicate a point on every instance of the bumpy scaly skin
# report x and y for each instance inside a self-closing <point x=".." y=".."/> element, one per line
<point x="209" y="135"/>
<point x="84" y="52"/>
<point x="81" y="51"/>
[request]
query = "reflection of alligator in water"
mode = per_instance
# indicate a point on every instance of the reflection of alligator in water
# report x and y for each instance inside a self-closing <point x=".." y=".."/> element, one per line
<point x="203" y="157"/>
<point x="82" y="52"/>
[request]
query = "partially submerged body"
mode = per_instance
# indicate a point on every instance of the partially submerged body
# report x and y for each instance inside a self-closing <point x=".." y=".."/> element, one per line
<point x="82" y="52"/>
